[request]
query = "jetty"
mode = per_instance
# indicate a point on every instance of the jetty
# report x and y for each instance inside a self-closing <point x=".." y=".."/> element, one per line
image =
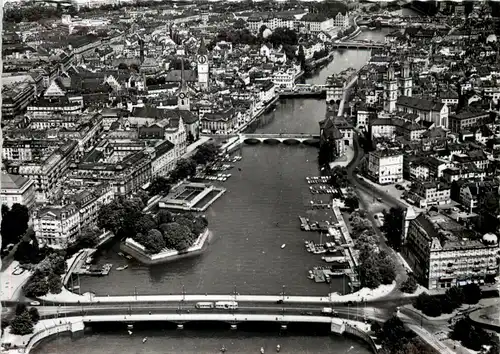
<point x="94" y="270"/>
<point x="321" y="205"/>
<point x="304" y="224"/>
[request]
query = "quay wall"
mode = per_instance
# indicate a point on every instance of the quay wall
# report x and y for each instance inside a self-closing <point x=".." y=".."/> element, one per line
<point x="353" y="331"/>
<point x="138" y="251"/>
<point x="64" y="327"/>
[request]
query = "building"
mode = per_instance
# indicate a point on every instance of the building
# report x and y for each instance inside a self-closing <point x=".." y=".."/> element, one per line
<point x="17" y="94"/>
<point x="17" y="189"/>
<point x="56" y="226"/>
<point x="222" y="122"/>
<point x="465" y="120"/>
<point x="390" y="91"/>
<point x="203" y="66"/>
<point x="46" y="171"/>
<point x="471" y="193"/>
<point x="430" y="111"/>
<point x="385" y="166"/>
<point x="425" y="194"/>
<point x="442" y="253"/>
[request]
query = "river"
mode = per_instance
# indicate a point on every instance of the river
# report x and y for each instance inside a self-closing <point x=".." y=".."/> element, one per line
<point x="266" y="194"/>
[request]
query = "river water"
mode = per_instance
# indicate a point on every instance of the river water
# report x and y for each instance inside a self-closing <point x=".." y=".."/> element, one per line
<point x="259" y="212"/>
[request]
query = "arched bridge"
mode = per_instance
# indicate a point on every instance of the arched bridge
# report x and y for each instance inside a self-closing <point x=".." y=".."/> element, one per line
<point x="358" y="45"/>
<point x="290" y="139"/>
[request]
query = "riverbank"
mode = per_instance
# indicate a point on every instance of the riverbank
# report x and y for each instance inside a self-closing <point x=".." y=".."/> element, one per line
<point x="138" y="251"/>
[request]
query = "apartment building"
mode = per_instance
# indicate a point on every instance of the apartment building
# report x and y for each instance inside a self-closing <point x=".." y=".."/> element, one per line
<point x="385" y="166"/>
<point x="466" y="120"/>
<point x="56" y="226"/>
<point x="443" y="253"/>
<point x="425" y="194"/>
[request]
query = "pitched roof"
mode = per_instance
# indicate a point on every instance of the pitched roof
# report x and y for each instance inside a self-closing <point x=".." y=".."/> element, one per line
<point x="9" y="181"/>
<point x="419" y="103"/>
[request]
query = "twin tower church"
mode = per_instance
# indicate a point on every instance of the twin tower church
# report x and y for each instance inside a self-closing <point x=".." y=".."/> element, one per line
<point x="203" y="78"/>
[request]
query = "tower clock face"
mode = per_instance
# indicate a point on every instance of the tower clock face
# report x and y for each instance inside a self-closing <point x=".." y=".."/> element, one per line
<point x="202" y="59"/>
<point x="182" y="96"/>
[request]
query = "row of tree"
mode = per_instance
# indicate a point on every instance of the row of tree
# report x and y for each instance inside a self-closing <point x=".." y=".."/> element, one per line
<point x="375" y="267"/>
<point x="24" y="320"/>
<point x="453" y="298"/>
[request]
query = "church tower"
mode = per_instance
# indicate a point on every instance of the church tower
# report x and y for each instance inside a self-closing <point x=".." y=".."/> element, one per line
<point x="203" y="67"/>
<point x="183" y="101"/>
<point x="407" y="81"/>
<point x="391" y="91"/>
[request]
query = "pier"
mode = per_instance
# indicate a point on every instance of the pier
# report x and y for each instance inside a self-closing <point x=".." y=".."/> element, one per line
<point x="94" y="270"/>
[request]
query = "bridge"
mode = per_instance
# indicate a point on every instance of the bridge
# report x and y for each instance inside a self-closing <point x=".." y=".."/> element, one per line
<point x="358" y="45"/>
<point x="304" y="90"/>
<point x="289" y="139"/>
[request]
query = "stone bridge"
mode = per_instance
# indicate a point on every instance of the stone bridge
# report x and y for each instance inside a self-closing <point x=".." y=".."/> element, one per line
<point x="290" y="139"/>
<point x="358" y="45"/>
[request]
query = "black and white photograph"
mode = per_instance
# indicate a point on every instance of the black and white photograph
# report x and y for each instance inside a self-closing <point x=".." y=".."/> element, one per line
<point x="250" y="176"/>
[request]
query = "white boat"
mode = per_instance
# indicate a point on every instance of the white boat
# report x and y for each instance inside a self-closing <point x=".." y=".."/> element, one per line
<point x="144" y="339"/>
<point x="122" y="267"/>
<point x="262" y="350"/>
<point x="283" y="245"/>
<point x="129" y="332"/>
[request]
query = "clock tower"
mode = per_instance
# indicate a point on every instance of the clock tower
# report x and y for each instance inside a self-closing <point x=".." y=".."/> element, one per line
<point x="183" y="100"/>
<point x="203" y="68"/>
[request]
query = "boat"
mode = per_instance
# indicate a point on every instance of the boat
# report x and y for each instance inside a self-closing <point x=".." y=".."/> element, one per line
<point x="121" y="254"/>
<point x="123" y="267"/>
<point x="144" y="340"/>
<point x="129" y="332"/>
<point x="278" y="348"/>
<point x="262" y="350"/>
<point x="283" y="245"/>
<point x="128" y="256"/>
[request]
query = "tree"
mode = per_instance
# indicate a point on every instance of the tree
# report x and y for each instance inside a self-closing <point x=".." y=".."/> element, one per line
<point x="394" y="334"/>
<point x="177" y="236"/>
<point x="159" y="186"/>
<point x="122" y="66"/>
<point x="369" y="274"/>
<point x="283" y="35"/>
<point x="54" y="283"/>
<point x="205" y="153"/>
<point x="88" y="238"/>
<point x="429" y="305"/>
<point x="14" y="223"/>
<point x="199" y="225"/>
<point x="20" y="308"/>
<point x="410" y="285"/>
<point x="154" y="241"/>
<point x="352" y="202"/>
<point x="145" y="224"/>
<point x="22" y="324"/>
<point x="339" y="177"/>
<point x="164" y="217"/>
<point x="59" y="265"/>
<point x="393" y="227"/>
<point x="455" y="296"/>
<point x="183" y="169"/>
<point x="28" y="251"/>
<point x="472" y="294"/>
<point x="120" y="216"/>
<point x="142" y="196"/>
<point x="35" y="316"/>
<point x="385" y="268"/>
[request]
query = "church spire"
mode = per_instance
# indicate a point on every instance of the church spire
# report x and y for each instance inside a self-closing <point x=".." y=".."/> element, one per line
<point x="183" y="77"/>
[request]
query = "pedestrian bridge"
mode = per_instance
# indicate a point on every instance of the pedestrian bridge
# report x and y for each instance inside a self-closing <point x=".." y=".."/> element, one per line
<point x="290" y="139"/>
<point x="358" y="45"/>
